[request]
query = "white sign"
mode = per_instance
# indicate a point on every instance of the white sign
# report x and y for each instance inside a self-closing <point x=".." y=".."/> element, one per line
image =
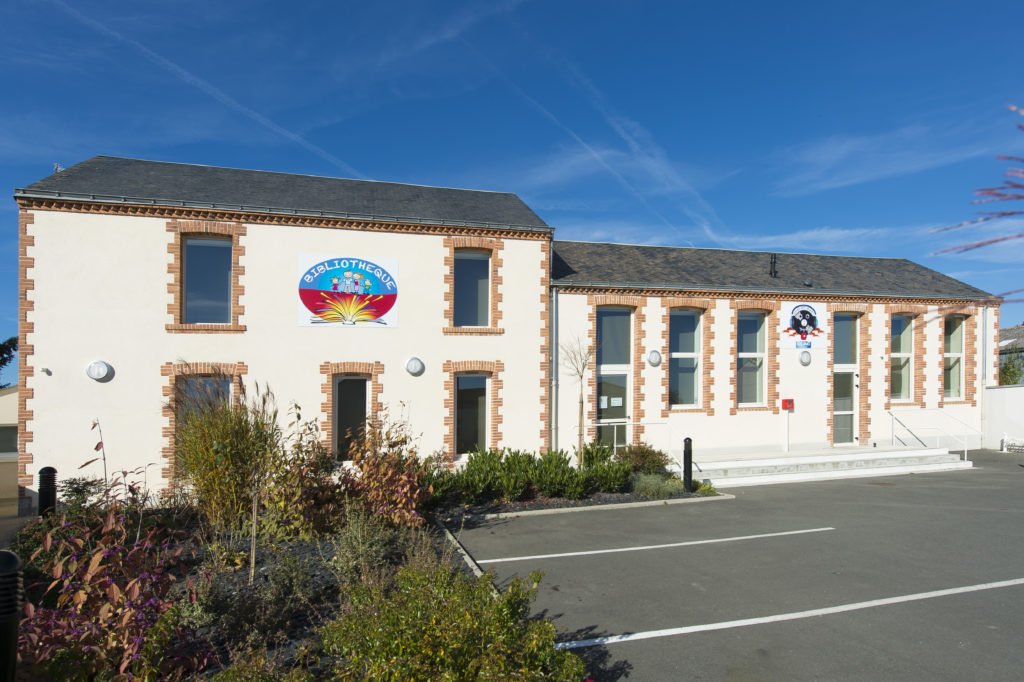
<point x="347" y="291"/>
<point x="802" y="327"/>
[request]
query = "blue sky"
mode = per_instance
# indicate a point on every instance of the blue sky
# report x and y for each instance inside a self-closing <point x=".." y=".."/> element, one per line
<point x="853" y="128"/>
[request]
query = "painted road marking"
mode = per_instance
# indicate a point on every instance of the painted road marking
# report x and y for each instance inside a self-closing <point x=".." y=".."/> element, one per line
<point x="789" y="616"/>
<point x="645" y="547"/>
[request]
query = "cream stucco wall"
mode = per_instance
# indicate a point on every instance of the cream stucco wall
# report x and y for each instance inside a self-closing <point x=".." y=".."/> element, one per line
<point x="722" y="434"/>
<point x="100" y="293"/>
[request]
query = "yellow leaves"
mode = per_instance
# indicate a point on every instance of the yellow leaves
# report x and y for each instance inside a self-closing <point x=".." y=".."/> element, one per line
<point x="58" y="570"/>
<point x="94" y="565"/>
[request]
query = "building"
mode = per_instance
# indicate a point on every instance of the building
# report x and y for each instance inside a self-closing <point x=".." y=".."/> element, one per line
<point x="1011" y="345"/>
<point x="455" y="310"/>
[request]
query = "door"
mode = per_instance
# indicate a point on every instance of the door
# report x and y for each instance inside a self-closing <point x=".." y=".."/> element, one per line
<point x="844" y="400"/>
<point x="349" y="412"/>
<point x="611" y="409"/>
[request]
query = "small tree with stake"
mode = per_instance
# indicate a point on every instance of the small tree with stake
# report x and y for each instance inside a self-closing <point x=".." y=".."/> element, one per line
<point x="576" y="357"/>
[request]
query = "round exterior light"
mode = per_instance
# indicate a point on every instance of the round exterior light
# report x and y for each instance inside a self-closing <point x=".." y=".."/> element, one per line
<point x="414" y="366"/>
<point x="99" y="370"/>
<point x="805" y="358"/>
<point x="654" y="358"/>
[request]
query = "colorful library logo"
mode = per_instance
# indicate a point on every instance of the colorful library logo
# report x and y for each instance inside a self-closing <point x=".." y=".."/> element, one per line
<point x="348" y="291"/>
<point x="803" y="324"/>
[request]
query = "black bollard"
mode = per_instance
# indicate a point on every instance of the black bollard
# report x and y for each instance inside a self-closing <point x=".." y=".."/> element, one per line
<point x="47" y="490"/>
<point x="10" y="613"/>
<point x="688" y="464"/>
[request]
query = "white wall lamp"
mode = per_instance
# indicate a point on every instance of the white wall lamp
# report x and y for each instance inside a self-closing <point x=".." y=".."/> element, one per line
<point x="414" y="366"/>
<point x="99" y="370"/>
<point x="805" y="357"/>
<point x="654" y="358"/>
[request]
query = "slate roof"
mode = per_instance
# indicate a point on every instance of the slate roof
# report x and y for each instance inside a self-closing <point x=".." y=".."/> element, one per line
<point x="663" y="267"/>
<point x="1011" y="340"/>
<point x="113" y="179"/>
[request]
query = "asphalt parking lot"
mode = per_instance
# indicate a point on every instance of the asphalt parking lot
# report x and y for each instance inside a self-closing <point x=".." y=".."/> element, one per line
<point x="917" y="577"/>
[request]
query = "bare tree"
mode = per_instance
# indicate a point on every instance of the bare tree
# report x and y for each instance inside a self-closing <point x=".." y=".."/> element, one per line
<point x="576" y="357"/>
<point x="1012" y="189"/>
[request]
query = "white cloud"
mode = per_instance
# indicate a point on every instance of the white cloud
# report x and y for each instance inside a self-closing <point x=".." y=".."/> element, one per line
<point x="845" y="160"/>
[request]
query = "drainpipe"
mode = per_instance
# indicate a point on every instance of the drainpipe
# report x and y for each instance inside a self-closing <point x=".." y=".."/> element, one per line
<point x="984" y="372"/>
<point x="553" y="391"/>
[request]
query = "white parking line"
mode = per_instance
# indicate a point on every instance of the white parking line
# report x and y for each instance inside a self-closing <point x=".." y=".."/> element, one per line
<point x="788" y="616"/>
<point x="638" y="549"/>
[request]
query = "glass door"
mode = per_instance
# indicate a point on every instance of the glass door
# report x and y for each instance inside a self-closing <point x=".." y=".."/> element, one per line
<point x="843" y="402"/>
<point x="611" y="409"/>
<point x="349" y="412"/>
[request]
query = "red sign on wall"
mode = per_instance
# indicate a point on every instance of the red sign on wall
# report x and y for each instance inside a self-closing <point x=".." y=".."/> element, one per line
<point x="787" y="403"/>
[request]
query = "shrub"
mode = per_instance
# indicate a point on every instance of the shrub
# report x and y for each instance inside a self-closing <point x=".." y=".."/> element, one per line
<point x="611" y="477"/>
<point x="579" y="484"/>
<point x="361" y="546"/>
<point x="553" y="473"/>
<point x="111" y="589"/>
<point x="443" y="484"/>
<point x="438" y="624"/>
<point x="478" y="480"/>
<point x="597" y="453"/>
<point x="261" y="668"/>
<point x="653" y="486"/>
<point x="643" y="458"/>
<point x="390" y="481"/>
<point x="304" y="497"/>
<point x="223" y="448"/>
<point x="517" y="473"/>
<point x="704" y="488"/>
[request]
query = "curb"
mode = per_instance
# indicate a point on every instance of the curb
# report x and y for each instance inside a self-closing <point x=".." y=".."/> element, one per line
<point x="595" y="507"/>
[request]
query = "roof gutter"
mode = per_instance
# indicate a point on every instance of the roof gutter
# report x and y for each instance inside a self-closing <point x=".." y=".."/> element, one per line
<point x="675" y="286"/>
<point x="270" y="210"/>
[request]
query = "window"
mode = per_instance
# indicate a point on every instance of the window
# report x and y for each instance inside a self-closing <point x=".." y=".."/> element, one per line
<point x="750" y="358"/>
<point x="207" y="281"/>
<point x="194" y="392"/>
<point x="901" y="358"/>
<point x="470" y="413"/>
<point x="8" y="438"/>
<point x="613" y="357"/>
<point x="952" y="357"/>
<point x="844" y="349"/>
<point x="683" y="362"/>
<point x="472" y="285"/>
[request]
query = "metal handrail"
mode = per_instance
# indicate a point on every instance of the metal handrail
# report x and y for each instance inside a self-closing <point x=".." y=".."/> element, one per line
<point x="962" y="441"/>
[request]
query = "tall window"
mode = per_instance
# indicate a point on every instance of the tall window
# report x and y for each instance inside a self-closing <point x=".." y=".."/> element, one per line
<point x="952" y="357"/>
<point x="470" y="413"/>
<point x="349" y="412"/>
<point x="750" y="358"/>
<point x="472" y="285"/>
<point x="207" y="281"/>
<point x="844" y="349"/>
<point x="613" y="353"/>
<point x="683" y="363"/>
<point x="901" y="358"/>
<point x="200" y="392"/>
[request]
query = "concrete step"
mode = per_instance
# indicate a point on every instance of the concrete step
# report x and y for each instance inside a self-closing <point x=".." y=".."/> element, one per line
<point x="736" y="473"/>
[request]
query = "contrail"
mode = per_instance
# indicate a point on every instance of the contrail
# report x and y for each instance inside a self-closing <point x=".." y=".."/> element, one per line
<point x="210" y="89"/>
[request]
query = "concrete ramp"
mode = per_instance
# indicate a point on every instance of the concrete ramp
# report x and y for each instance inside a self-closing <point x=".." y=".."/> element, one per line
<point x="826" y="467"/>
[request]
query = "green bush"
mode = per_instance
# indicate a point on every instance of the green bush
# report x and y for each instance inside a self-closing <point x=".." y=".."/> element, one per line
<point x="597" y="453"/>
<point x="442" y="485"/>
<point x="516" y="474"/>
<point x="643" y="458"/>
<point x="362" y="545"/>
<point x="305" y="494"/>
<point x="438" y="624"/>
<point x="611" y="477"/>
<point x="704" y="488"/>
<point x="478" y="480"/>
<point x="223" y="448"/>
<point x="653" y="486"/>
<point x="553" y="473"/>
<point x="579" y="484"/>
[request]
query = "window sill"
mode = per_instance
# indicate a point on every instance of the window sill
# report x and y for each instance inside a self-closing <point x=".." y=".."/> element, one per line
<point x="685" y="408"/>
<point x="205" y="328"/>
<point x="473" y="331"/>
<point x="753" y="407"/>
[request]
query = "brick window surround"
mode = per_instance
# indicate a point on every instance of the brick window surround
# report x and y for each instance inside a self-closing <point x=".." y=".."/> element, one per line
<point x="771" y="354"/>
<point x="182" y="229"/>
<point x="707" y="364"/>
<point x="635" y="304"/>
<point x="25" y="370"/>
<point x="493" y="247"/>
<point x="330" y="370"/>
<point x="173" y="370"/>
<point x="860" y="311"/>
<point x="969" y="334"/>
<point x="918" y="323"/>
<point x="493" y="370"/>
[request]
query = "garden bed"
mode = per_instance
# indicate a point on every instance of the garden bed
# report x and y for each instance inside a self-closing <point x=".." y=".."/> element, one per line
<point x="540" y="502"/>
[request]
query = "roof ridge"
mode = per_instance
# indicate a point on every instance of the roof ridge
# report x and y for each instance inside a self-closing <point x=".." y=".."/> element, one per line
<point x="720" y="248"/>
